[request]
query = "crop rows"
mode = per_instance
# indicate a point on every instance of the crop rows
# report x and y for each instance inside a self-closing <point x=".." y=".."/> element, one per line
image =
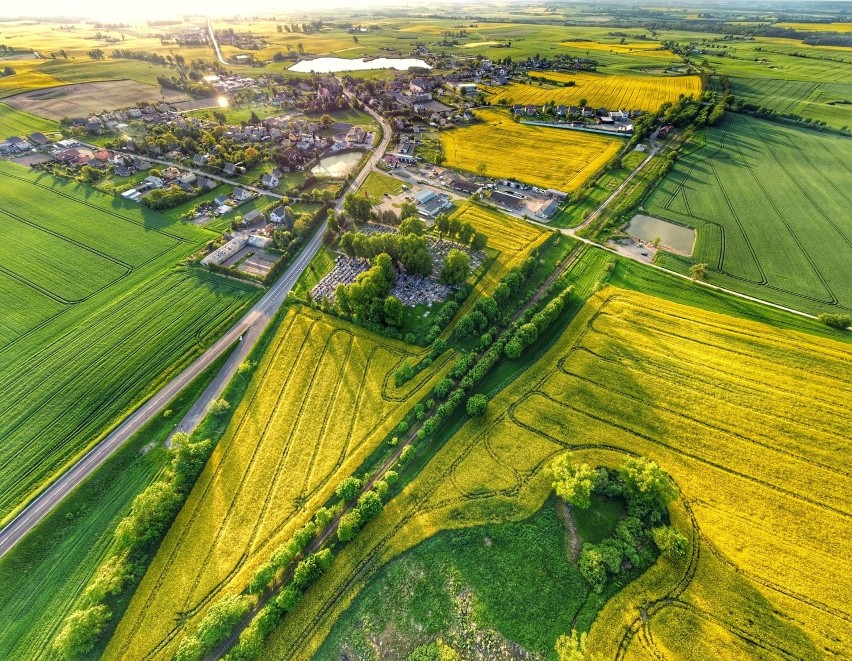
<point x="97" y="314"/>
<point x="613" y="92"/>
<point x="538" y="155"/>
<point x="296" y="432"/>
<point x="787" y="241"/>
<point x="47" y="414"/>
<point x="764" y="482"/>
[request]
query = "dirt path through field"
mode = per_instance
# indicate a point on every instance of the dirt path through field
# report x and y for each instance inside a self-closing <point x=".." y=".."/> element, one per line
<point x="575" y="544"/>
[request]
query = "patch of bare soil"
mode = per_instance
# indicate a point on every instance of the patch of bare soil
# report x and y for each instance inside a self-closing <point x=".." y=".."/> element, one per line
<point x="83" y="99"/>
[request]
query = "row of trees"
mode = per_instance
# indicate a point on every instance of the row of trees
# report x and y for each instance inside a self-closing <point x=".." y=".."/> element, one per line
<point x="134" y="541"/>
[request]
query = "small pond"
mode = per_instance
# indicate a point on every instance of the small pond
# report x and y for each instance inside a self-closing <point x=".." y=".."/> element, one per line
<point x="337" y="166"/>
<point x="335" y="64"/>
<point x="673" y="237"/>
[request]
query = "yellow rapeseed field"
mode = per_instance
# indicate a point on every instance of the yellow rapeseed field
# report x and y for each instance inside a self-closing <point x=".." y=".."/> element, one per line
<point x="600" y="90"/>
<point x="319" y="403"/>
<point x="761" y="464"/>
<point x="538" y="155"/>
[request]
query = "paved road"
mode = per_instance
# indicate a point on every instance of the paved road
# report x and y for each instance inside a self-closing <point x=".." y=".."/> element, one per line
<point x="250" y="327"/>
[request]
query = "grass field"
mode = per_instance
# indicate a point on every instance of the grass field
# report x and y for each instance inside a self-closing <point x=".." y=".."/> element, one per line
<point x="490" y="584"/>
<point x="763" y="480"/>
<point x="15" y="122"/>
<point x="296" y="432"/>
<point x="99" y="312"/>
<point x="43" y="576"/>
<point x="814" y="100"/>
<point x="538" y="155"/>
<point x="377" y="184"/>
<point x="627" y="92"/>
<point x="769" y="203"/>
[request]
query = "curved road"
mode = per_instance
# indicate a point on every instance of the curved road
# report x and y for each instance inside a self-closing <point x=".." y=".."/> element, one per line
<point x="249" y="328"/>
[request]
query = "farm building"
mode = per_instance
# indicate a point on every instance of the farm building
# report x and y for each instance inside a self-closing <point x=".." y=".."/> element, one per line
<point x="430" y="203"/>
<point x="506" y="200"/>
<point x="253" y="216"/>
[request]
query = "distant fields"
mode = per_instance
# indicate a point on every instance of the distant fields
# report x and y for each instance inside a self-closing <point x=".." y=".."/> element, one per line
<point x="600" y="90"/>
<point x="763" y="479"/>
<point x="771" y="208"/>
<point x="815" y="100"/>
<point x="320" y="402"/>
<point x="538" y="155"/>
<point x="98" y="312"/>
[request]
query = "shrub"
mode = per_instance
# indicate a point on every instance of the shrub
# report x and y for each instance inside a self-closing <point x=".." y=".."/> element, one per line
<point x="477" y="405"/>
<point x="80" y="631"/>
<point x="841" y="321"/>
<point x="671" y="543"/>
<point x="369" y="505"/>
<point x="348" y="489"/>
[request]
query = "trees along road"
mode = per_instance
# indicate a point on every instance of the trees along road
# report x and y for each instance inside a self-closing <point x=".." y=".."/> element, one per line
<point x="249" y="328"/>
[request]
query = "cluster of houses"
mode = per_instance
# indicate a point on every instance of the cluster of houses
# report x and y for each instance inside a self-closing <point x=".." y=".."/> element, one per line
<point x="16" y="145"/>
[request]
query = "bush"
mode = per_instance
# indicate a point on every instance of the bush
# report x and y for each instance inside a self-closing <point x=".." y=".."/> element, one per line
<point x="80" y="631"/>
<point x="348" y="489"/>
<point x="670" y="542"/>
<point x="477" y="406"/>
<point x="841" y="321"/>
<point x="221" y="619"/>
<point x="349" y="525"/>
<point x="369" y="505"/>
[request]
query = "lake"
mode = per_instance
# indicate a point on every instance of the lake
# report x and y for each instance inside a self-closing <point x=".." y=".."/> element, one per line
<point x="335" y="64"/>
<point x="673" y="237"/>
<point x="337" y="166"/>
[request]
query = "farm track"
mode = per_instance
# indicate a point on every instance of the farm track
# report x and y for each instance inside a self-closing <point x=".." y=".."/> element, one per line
<point x="172" y="558"/>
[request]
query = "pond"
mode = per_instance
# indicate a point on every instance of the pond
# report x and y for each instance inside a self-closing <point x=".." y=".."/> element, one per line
<point x="673" y="237"/>
<point x="337" y="166"/>
<point x="335" y="64"/>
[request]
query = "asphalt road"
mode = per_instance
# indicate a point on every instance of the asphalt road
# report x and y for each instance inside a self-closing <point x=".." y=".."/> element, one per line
<point x="250" y="327"/>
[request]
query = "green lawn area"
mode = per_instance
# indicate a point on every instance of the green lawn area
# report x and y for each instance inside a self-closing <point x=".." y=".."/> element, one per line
<point x="598" y="522"/>
<point x="519" y="578"/>
<point x="377" y="184"/>
<point x="239" y="114"/>
<point x="77" y="353"/>
<point x="320" y="265"/>
<point x="14" y="122"/>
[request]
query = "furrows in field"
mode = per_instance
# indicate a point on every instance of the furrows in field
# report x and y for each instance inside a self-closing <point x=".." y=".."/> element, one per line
<point x="790" y="230"/>
<point x="187" y="527"/>
<point x="21" y="394"/>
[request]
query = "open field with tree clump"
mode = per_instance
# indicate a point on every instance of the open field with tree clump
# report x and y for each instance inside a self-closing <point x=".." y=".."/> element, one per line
<point x="322" y="399"/>
<point x="599" y="90"/>
<point x="756" y="460"/>
<point x="499" y="584"/>
<point x="99" y="312"/>
<point x="457" y="480"/>
<point x="770" y="204"/>
<point x="538" y="155"/>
